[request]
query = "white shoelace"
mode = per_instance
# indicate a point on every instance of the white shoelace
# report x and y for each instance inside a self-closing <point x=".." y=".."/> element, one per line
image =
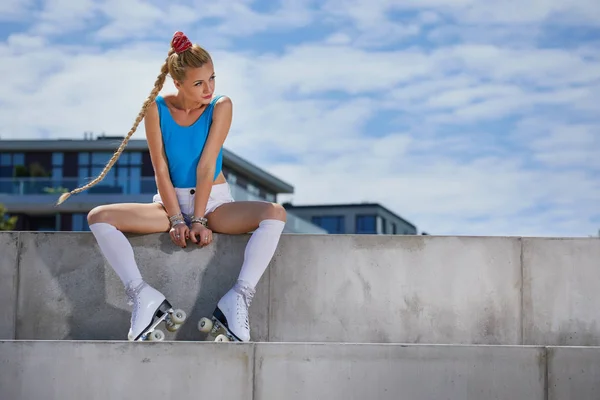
<point x="133" y="297"/>
<point x="247" y="294"/>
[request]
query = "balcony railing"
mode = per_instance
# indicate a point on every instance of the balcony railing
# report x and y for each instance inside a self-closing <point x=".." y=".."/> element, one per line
<point x="32" y="186"/>
<point x="143" y="186"/>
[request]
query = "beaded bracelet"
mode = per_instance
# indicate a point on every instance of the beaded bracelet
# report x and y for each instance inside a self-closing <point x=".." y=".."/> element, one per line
<point x="176" y="220"/>
<point x="175" y="217"/>
<point x="199" y="220"/>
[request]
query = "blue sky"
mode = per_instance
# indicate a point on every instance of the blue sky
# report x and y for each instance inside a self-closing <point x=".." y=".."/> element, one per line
<point x="465" y="117"/>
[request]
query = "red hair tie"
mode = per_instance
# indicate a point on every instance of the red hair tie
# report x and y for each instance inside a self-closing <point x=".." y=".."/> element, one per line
<point x="180" y="42"/>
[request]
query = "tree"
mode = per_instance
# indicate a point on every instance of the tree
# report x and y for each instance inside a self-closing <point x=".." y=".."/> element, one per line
<point x="6" y="224"/>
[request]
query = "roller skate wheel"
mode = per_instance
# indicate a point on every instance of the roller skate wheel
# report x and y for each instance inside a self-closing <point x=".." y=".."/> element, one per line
<point x="222" y="338"/>
<point x="178" y="317"/>
<point x="205" y="325"/>
<point x="171" y="327"/>
<point x="156" y="336"/>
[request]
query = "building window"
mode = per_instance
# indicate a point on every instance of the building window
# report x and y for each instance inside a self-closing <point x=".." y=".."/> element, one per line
<point x="57" y="167"/>
<point x="125" y="177"/>
<point x="332" y="224"/>
<point x="253" y="189"/>
<point x="366" y="224"/>
<point x="44" y="223"/>
<point x="18" y="159"/>
<point x="8" y="162"/>
<point x="231" y="178"/>
<point x="80" y="223"/>
<point x="394" y="228"/>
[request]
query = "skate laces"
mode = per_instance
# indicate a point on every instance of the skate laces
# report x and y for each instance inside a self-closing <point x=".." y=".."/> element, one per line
<point x="133" y="298"/>
<point x="246" y="292"/>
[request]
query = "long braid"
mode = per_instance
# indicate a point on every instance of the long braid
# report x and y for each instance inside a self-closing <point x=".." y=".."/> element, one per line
<point x="158" y="84"/>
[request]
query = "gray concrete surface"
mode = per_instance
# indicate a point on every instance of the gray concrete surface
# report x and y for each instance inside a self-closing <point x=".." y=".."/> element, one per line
<point x="64" y="370"/>
<point x="382" y="372"/>
<point x="68" y="291"/>
<point x="414" y="289"/>
<point x="573" y="373"/>
<point x="75" y="370"/>
<point x="9" y="243"/>
<point x="561" y="292"/>
<point x="326" y="288"/>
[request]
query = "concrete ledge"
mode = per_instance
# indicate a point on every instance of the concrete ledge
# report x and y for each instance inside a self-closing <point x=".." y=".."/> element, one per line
<point x="573" y="373"/>
<point x="319" y="288"/>
<point x="68" y="370"/>
<point x="68" y="291"/>
<point x="9" y="249"/>
<point x="65" y="370"/>
<point x="396" y="289"/>
<point x="561" y="297"/>
<point x="416" y="372"/>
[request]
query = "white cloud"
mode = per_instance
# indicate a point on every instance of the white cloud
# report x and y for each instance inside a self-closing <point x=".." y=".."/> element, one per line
<point x="14" y="10"/>
<point x="346" y="68"/>
<point x="61" y="16"/>
<point x="418" y="128"/>
<point x="241" y="19"/>
<point x="20" y="43"/>
<point x="137" y="19"/>
<point x="467" y="95"/>
<point x="481" y="11"/>
<point x="514" y="11"/>
<point x="560" y="145"/>
<point x="429" y="17"/>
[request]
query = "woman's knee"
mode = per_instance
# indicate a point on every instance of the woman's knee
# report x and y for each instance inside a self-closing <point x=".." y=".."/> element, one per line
<point x="101" y="214"/>
<point x="275" y="211"/>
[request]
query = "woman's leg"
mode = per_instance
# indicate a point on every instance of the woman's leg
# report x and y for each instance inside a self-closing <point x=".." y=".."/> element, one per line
<point x="267" y="220"/>
<point x="107" y="223"/>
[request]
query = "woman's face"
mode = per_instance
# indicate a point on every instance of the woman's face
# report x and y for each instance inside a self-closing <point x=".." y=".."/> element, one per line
<point x="199" y="84"/>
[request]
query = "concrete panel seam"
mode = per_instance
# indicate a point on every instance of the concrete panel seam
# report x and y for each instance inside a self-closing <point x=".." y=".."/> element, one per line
<point x="521" y="311"/>
<point x="253" y="394"/>
<point x="17" y="283"/>
<point x="546" y="373"/>
<point x="269" y="301"/>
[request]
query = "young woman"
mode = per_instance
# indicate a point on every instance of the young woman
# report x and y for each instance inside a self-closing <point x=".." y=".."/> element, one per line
<point x="185" y="132"/>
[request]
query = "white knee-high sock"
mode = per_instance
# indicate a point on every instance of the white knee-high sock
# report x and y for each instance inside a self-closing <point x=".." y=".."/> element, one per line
<point x="118" y="252"/>
<point x="260" y="249"/>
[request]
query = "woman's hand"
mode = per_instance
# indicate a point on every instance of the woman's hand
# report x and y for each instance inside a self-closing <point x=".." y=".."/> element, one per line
<point x="179" y="234"/>
<point x="200" y="234"/>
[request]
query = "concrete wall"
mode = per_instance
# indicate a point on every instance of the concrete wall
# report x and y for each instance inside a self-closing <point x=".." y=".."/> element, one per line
<point x="67" y="291"/>
<point x="390" y="289"/>
<point x="9" y="247"/>
<point x="322" y="288"/>
<point x="268" y="371"/>
<point x="561" y="292"/>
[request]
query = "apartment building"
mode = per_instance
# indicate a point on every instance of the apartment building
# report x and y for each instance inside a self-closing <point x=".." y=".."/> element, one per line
<point x="33" y="173"/>
<point x="357" y="218"/>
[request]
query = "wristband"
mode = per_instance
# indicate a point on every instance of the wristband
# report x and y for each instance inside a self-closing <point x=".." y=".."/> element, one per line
<point x="177" y="222"/>
<point x="199" y="220"/>
<point x="176" y="219"/>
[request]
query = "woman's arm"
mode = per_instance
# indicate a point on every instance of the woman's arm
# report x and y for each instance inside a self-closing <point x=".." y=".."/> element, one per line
<point x="205" y="171"/>
<point x="159" y="161"/>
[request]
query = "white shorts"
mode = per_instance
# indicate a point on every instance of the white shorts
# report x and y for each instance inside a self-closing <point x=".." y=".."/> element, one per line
<point x="219" y="195"/>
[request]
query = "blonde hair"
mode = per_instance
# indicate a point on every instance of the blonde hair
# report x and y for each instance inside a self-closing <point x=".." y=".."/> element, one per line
<point x="182" y="55"/>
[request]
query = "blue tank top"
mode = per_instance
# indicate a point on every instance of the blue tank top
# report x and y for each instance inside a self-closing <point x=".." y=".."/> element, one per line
<point x="183" y="145"/>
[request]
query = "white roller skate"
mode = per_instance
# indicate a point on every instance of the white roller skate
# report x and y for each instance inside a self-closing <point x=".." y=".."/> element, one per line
<point x="150" y="308"/>
<point x="230" y="319"/>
